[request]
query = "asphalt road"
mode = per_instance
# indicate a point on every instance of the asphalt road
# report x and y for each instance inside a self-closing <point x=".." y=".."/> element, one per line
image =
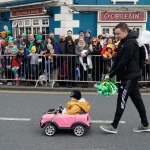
<point x="24" y="133"/>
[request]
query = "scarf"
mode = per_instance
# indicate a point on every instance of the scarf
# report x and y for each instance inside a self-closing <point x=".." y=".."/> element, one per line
<point x="81" y="46"/>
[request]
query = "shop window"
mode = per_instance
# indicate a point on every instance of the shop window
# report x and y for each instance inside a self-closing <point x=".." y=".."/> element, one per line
<point x="28" y="30"/>
<point x="36" y="22"/>
<point x="45" y="22"/>
<point x="31" y="26"/>
<point x="45" y="32"/>
<point x="36" y="30"/>
<point x="15" y="32"/>
<point x="105" y="30"/>
<point x="20" y="23"/>
<point x="113" y="31"/>
<point x="21" y="31"/>
<point x="27" y="22"/>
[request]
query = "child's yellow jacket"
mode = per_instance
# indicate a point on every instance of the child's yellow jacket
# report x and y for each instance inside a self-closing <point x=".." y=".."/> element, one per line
<point x="75" y="107"/>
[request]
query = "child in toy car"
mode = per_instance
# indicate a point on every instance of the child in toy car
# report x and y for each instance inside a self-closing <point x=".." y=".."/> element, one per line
<point x="70" y="118"/>
<point x="77" y="104"/>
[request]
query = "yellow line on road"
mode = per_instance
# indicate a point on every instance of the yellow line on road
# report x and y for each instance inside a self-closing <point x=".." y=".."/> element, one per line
<point x="53" y="92"/>
<point x="41" y="92"/>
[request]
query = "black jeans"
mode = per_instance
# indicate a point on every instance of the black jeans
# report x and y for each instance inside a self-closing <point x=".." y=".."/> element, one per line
<point x="129" y="88"/>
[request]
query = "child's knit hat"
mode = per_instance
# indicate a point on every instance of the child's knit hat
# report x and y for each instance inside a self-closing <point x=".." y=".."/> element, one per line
<point x="33" y="49"/>
<point x="10" y="40"/>
<point x="14" y="49"/>
<point x="38" y="37"/>
<point x="24" y="34"/>
<point x="76" y="94"/>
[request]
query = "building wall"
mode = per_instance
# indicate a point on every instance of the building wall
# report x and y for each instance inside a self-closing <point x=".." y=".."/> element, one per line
<point x="66" y="18"/>
<point x="86" y="21"/>
<point x="63" y="19"/>
<point x="89" y="20"/>
<point x="5" y="22"/>
<point x="148" y="21"/>
<point x="53" y="22"/>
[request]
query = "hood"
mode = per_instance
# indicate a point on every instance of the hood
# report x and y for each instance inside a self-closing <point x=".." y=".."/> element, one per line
<point x="84" y="105"/>
<point x="132" y="35"/>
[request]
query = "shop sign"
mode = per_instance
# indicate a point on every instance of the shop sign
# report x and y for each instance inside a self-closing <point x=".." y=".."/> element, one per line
<point x="27" y="12"/>
<point x="122" y="17"/>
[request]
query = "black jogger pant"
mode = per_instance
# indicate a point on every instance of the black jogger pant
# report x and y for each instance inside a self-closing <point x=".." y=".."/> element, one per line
<point x="129" y="88"/>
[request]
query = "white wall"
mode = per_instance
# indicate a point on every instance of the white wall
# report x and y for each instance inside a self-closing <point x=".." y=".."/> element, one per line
<point x="65" y="18"/>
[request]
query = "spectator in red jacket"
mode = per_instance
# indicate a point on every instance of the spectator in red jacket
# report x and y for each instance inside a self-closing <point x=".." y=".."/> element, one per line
<point x="15" y="63"/>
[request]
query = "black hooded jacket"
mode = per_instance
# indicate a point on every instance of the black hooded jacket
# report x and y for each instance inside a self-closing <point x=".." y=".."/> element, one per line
<point x="126" y="64"/>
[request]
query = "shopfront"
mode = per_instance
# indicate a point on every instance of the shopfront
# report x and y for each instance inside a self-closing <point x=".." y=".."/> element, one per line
<point x="108" y="20"/>
<point x="29" y="21"/>
<point x="107" y="14"/>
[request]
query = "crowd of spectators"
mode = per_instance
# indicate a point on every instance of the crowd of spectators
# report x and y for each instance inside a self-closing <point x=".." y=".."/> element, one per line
<point x="28" y="56"/>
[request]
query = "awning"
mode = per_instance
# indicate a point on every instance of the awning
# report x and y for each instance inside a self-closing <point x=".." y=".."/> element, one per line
<point x="110" y="8"/>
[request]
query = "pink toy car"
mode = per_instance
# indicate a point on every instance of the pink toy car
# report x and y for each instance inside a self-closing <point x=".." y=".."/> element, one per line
<point x="54" y="120"/>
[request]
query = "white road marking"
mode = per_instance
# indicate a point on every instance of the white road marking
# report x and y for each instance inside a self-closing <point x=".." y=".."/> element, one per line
<point x="104" y="121"/>
<point x="15" y="119"/>
<point x="29" y="119"/>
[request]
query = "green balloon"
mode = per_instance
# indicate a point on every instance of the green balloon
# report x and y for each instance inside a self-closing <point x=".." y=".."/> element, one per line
<point x="8" y="32"/>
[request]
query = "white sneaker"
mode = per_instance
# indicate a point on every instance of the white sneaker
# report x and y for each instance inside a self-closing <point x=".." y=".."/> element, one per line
<point x="8" y="83"/>
<point x="1" y="83"/>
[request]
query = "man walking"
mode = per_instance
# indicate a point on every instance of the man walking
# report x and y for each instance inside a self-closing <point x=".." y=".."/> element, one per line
<point x="126" y="67"/>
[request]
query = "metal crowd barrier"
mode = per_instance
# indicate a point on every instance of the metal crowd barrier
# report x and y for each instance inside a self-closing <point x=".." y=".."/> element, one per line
<point x="61" y="69"/>
<point x="29" y="70"/>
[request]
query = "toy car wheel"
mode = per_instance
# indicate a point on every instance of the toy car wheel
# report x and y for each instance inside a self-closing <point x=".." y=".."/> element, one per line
<point x="50" y="130"/>
<point x="79" y="130"/>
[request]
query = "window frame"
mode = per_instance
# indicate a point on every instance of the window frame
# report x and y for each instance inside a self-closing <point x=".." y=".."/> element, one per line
<point x="20" y="25"/>
<point x="27" y="25"/>
<point x="31" y="26"/>
<point x="37" y="25"/>
<point x="45" y="25"/>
